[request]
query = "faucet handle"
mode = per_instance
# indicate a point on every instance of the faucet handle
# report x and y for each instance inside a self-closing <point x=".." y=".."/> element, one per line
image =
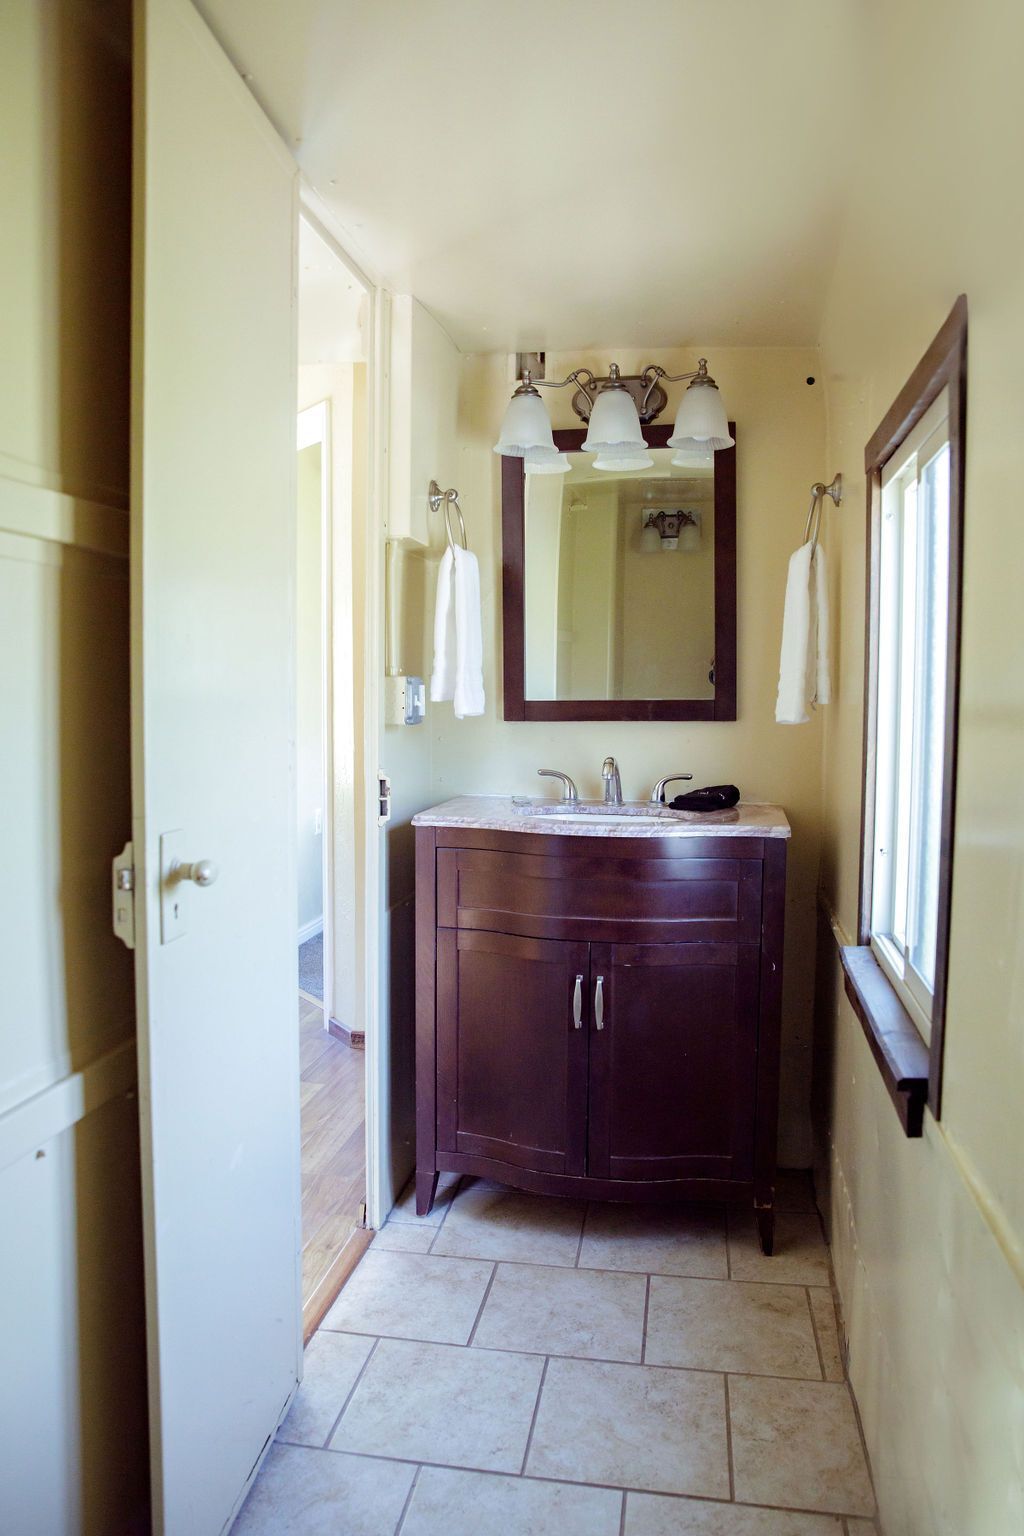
<point x="658" y="792"/>
<point x="569" y="790"/>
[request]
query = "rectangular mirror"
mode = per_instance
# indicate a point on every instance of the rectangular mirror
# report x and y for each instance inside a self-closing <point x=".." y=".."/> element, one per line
<point x="620" y="587"/>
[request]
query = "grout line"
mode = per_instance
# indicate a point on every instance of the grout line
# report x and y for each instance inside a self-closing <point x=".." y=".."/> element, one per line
<point x="533" y="1419"/>
<point x="480" y="1309"/>
<point x="583" y="1228"/>
<point x="647" y="1311"/>
<point x="622" y="1516"/>
<point x="814" y="1331"/>
<point x="501" y="1349"/>
<point x="571" y="1482"/>
<point x="408" y="1501"/>
<point x="728" y="1439"/>
<point x="349" y="1395"/>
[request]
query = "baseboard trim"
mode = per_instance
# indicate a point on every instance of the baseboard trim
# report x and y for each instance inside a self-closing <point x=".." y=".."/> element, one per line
<point x="356" y="1038"/>
<point x="328" y="1288"/>
<point x="311" y="930"/>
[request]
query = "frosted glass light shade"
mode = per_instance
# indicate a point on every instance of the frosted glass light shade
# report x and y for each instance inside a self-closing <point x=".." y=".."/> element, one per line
<point x="614" y="423"/>
<point x="611" y="459"/>
<point x="650" y="540"/>
<point x="526" y="428"/>
<point x="701" y="420"/>
<point x="536" y="463"/>
<point x="698" y="456"/>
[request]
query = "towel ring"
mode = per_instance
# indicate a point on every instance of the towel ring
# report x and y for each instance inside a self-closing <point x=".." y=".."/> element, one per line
<point x="448" y="499"/>
<point x="818" y="494"/>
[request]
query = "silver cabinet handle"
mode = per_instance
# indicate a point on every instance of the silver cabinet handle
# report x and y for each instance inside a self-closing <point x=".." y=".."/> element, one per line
<point x="577" y="1004"/>
<point x="599" y="1003"/>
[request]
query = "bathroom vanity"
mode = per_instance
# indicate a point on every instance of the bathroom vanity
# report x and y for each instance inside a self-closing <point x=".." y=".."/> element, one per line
<point x="598" y="1000"/>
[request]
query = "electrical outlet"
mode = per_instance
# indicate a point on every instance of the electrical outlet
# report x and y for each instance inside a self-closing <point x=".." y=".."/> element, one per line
<point x="318" y="822"/>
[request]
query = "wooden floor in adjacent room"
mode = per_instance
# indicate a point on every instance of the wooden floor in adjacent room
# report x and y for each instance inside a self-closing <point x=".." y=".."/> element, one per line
<point x="333" y="1147"/>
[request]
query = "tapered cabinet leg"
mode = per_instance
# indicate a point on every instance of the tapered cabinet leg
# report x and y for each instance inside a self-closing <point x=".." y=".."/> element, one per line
<point x="426" y="1189"/>
<point x="766" y="1227"/>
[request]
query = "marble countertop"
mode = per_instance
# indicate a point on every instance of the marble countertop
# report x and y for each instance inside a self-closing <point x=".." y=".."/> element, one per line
<point x="502" y="813"/>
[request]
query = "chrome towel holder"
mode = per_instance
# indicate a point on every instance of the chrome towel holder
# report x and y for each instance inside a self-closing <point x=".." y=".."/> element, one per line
<point x="818" y="493"/>
<point x="447" y="500"/>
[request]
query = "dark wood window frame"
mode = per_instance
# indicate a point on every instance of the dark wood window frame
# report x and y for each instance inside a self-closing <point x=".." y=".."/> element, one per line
<point x="911" y="1070"/>
<point x="516" y="705"/>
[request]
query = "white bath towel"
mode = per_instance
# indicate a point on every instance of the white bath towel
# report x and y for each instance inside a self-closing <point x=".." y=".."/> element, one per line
<point x="804" y="664"/>
<point x="458" y="635"/>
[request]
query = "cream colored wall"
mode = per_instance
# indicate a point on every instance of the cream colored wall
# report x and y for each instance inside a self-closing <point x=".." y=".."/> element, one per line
<point x="72" y="1350"/>
<point x="929" y="1235"/>
<point x="780" y="452"/>
<point x="309" y="691"/>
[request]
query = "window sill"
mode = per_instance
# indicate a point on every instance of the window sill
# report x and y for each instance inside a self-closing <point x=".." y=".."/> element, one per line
<point x="899" y="1051"/>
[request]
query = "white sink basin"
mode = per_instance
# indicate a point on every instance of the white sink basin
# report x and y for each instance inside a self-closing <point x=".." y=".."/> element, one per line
<point x="600" y="814"/>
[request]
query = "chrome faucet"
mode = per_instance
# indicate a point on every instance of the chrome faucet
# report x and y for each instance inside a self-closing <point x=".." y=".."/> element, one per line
<point x="658" y="792"/>
<point x="569" y="790"/>
<point x="612" y="782"/>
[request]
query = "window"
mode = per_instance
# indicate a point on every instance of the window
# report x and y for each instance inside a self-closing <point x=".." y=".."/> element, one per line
<point x="896" y="974"/>
<point x="913" y="616"/>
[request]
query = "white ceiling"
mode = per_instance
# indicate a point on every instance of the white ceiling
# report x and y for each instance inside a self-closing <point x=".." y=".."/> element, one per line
<point x="565" y="173"/>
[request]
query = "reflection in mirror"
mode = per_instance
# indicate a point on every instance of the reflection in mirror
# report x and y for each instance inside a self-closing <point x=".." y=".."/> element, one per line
<point x="619" y="580"/>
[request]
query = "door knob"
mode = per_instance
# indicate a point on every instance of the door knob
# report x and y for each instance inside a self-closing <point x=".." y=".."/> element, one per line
<point x="203" y="872"/>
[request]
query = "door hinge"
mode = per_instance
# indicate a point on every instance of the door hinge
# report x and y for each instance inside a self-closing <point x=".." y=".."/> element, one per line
<point x="383" y="799"/>
<point x="122" y="887"/>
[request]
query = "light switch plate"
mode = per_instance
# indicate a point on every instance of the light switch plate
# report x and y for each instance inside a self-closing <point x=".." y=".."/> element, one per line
<point x="172" y="892"/>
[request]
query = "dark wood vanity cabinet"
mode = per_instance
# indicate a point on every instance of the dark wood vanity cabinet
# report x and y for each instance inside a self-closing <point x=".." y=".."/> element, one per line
<point x="599" y="1017"/>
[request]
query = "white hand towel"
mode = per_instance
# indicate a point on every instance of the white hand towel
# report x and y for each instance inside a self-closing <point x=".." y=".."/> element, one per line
<point x="458" y="635"/>
<point x="442" y="678"/>
<point x="804" y="664"/>
<point x="469" y="640"/>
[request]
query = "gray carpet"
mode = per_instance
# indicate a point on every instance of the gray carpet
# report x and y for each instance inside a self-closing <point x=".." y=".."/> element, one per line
<point x="311" y="967"/>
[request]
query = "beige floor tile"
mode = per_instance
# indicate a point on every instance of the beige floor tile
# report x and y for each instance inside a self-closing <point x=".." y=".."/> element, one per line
<point x="446" y="1503"/>
<point x="827" y="1328"/>
<point x="303" y="1492"/>
<point x="332" y="1363"/>
<point x="501" y="1224"/>
<point x="404" y="1237"/>
<point x="796" y="1443"/>
<point x="800" y="1256"/>
<point x="412" y="1296"/>
<point x="729" y="1325"/>
<point x="651" y="1514"/>
<point x="632" y="1426"/>
<point x="404" y="1208"/>
<point x="655" y="1239"/>
<point x="435" y="1402"/>
<point x="794" y="1190"/>
<point x="861" y="1528"/>
<point x="588" y="1313"/>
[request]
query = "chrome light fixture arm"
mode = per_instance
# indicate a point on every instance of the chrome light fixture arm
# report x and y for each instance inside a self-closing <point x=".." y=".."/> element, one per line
<point x="578" y="376"/>
<point x="653" y="372"/>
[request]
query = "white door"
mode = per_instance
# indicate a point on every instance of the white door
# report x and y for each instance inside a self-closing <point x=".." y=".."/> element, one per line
<point x="213" y="557"/>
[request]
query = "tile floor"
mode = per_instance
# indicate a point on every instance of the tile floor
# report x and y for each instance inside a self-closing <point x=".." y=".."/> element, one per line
<point x="517" y="1366"/>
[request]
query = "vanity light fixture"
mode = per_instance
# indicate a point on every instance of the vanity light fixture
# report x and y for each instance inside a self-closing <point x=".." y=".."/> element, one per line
<point x="674" y="530"/>
<point x="615" y="408"/>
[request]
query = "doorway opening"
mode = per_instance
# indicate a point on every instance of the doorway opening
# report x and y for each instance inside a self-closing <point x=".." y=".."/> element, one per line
<point x="331" y="482"/>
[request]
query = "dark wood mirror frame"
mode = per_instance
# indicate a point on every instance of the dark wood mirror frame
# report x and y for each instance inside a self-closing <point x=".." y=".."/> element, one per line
<point x="517" y="706"/>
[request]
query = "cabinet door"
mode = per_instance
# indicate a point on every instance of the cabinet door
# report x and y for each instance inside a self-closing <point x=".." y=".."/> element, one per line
<point x="511" y="1056"/>
<point x="673" y="1060"/>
